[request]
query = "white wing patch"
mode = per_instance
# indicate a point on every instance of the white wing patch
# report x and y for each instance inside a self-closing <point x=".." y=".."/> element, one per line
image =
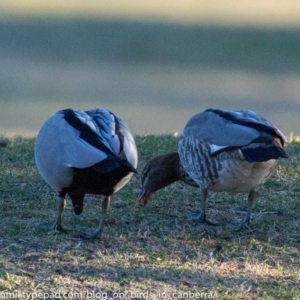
<point x="216" y="148"/>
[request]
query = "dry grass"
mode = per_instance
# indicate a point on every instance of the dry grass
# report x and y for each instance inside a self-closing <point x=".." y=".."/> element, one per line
<point x="148" y="250"/>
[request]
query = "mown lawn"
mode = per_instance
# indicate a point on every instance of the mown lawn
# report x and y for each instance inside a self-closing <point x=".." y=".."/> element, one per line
<point x="148" y="252"/>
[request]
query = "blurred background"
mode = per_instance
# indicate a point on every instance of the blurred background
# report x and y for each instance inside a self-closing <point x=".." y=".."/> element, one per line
<point x="155" y="63"/>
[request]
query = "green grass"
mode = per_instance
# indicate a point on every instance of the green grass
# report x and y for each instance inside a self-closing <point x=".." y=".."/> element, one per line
<point x="146" y="251"/>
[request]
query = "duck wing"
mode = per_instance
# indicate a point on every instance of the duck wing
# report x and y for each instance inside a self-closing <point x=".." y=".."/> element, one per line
<point x="257" y="137"/>
<point x="116" y="134"/>
<point x="88" y="138"/>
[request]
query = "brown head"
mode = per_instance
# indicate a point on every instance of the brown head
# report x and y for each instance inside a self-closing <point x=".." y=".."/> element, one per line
<point x="158" y="173"/>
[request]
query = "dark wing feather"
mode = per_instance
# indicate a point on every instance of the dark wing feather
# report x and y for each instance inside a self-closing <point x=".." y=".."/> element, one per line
<point x="258" y="138"/>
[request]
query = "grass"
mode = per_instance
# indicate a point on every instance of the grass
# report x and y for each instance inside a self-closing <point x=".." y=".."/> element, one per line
<point x="148" y="251"/>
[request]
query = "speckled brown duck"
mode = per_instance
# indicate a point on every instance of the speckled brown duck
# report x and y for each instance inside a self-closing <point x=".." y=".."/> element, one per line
<point x="220" y="151"/>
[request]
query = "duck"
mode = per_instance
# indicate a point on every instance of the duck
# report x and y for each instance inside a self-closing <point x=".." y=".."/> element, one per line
<point x="85" y="152"/>
<point x="219" y="151"/>
<point x="230" y="151"/>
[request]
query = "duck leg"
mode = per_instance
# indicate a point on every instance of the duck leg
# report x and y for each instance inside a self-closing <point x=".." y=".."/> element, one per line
<point x="246" y="221"/>
<point x="98" y="232"/>
<point x="61" y="208"/>
<point x="201" y="217"/>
